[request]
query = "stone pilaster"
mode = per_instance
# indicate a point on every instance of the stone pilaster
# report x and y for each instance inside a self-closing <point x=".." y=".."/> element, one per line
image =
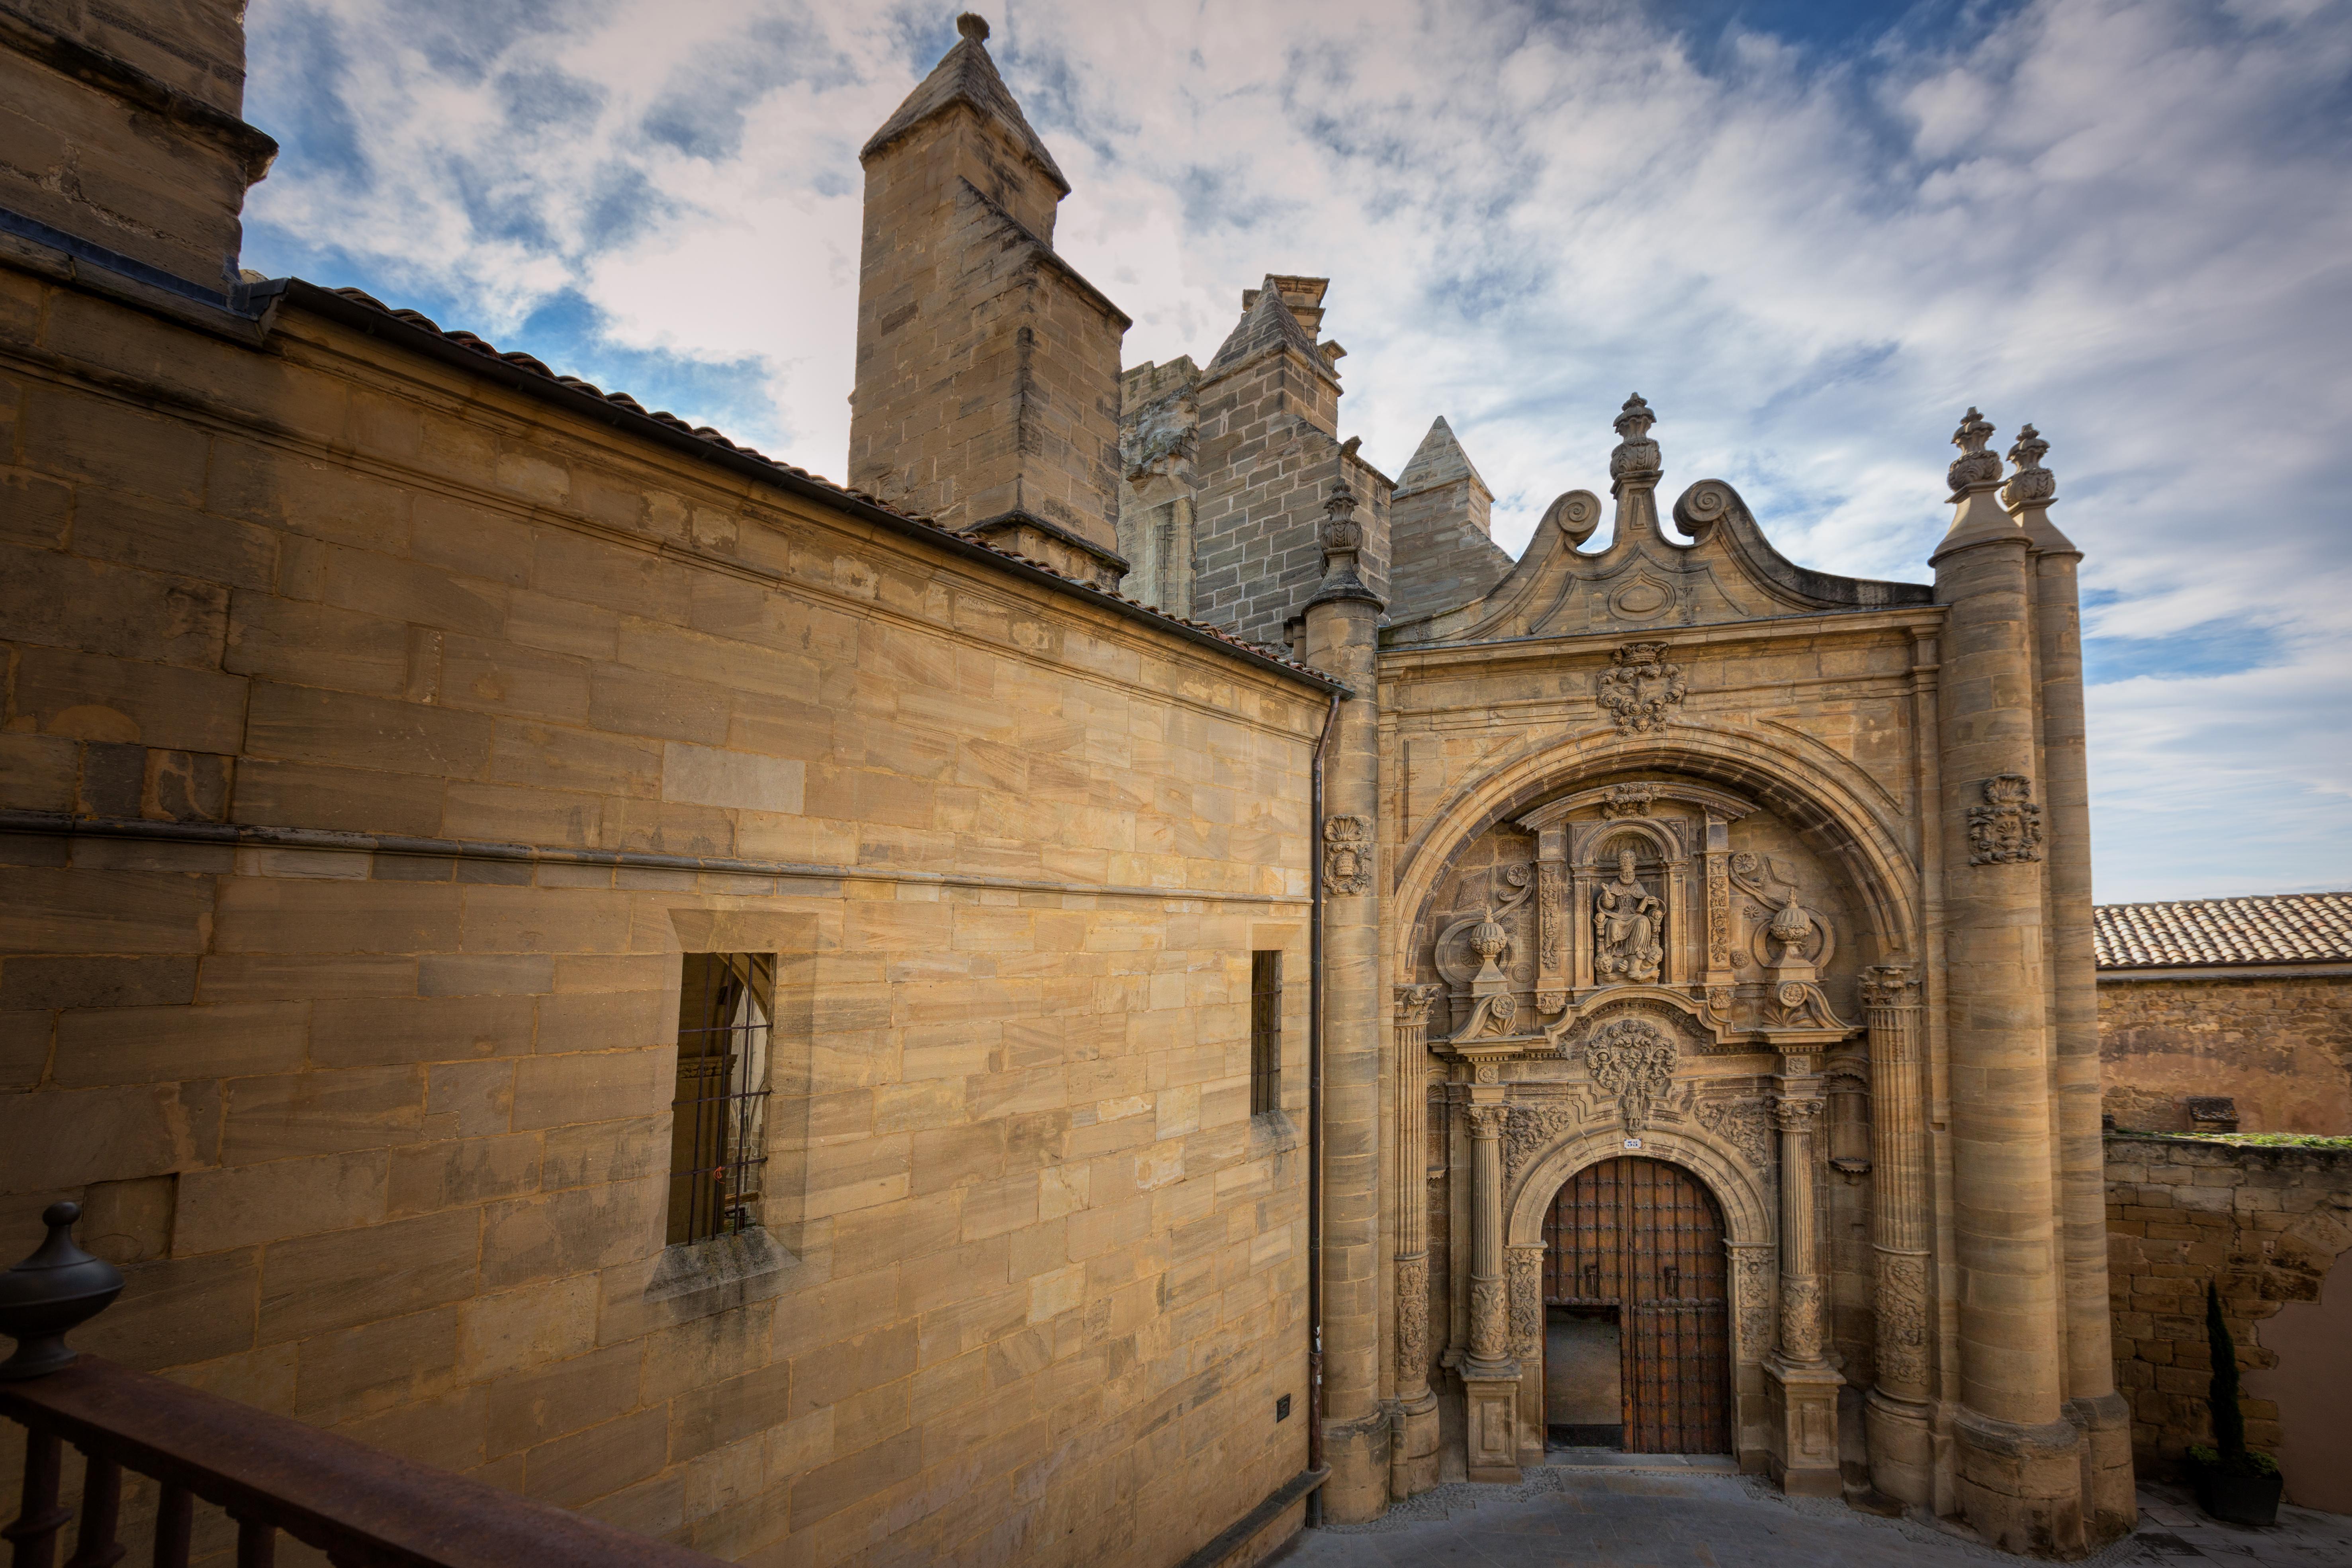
<point x="1342" y="629"/>
<point x="2018" y="1477"/>
<point x="1413" y="1452"/>
<point x="1800" y="1387"/>
<point x="2092" y="1406"/>
<point x="1489" y="1373"/>
<point x="1902" y="1456"/>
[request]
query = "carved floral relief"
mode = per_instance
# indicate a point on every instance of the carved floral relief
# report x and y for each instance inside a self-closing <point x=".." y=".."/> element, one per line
<point x="1633" y="1061"/>
<point x="1346" y="854"/>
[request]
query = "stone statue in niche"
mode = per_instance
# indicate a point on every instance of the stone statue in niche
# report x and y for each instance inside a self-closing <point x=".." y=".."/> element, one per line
<point x="1626" y="924"/>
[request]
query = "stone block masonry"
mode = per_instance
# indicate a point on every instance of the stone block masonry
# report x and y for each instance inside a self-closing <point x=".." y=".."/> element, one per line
<point x="427" y="725"/>
<point x="2278" y="1047"/>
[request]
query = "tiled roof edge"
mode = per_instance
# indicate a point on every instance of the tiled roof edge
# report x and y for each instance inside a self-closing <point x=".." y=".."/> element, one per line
<point x="524" y="373"/>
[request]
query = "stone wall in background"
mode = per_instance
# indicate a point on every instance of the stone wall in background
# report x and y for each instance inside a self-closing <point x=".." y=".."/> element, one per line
<point x="2267" y="1225"/>
<point x="2280" y="1048"/>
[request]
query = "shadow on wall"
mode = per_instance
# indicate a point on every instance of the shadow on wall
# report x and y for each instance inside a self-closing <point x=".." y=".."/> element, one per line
<point x="2311" y="1386"/>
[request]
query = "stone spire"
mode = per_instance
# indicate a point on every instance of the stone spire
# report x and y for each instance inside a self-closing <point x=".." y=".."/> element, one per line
<point x="966" y="75"/>
<point x="1440" y="460"/>
<point x="1268" y="321"/>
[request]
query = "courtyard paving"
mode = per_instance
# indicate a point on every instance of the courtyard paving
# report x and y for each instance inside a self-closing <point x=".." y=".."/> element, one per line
<point x="1627" y="1513"/>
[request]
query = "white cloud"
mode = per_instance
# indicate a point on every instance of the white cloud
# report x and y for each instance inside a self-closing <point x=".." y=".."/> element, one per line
<point x="2126" y="222"/>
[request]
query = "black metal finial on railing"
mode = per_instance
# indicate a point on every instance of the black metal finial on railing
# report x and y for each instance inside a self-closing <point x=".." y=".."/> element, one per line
<point x="54" y="1291"/>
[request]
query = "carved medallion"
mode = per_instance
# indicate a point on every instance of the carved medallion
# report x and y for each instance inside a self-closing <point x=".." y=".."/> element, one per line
<point x="1346" y="854"/>
<point x="1633" y="1061"/>
<point x="2007" y="826"/>
<point x="1640" y="687"/>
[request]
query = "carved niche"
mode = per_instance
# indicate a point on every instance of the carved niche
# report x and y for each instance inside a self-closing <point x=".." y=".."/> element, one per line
<point x="1629" y="927"/>
<point x="2007" y="828"/>
<point x="1640" y="687"/>
<point x="1346" y="854"/>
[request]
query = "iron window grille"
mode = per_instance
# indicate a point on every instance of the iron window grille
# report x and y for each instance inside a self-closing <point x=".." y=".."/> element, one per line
<point x="718" y="1127"/>
<point x="1265" y="1033"/>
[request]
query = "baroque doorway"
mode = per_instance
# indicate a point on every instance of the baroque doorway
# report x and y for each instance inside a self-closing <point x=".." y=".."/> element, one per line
<point x="1637" y="1349"/>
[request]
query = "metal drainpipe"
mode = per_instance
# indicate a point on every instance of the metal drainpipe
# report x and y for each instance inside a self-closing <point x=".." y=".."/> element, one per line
<point x="1315" y="1120"/>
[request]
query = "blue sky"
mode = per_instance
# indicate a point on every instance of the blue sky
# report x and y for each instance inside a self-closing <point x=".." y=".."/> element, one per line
<point x="1808" y="231"/>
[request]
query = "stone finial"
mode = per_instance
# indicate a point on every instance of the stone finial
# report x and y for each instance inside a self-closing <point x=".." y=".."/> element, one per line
<point x="1975" y="468"/>
<point x="1635" y="460"/>
<point x="973" y="26"/>
<point x="1342" y="535"/>
<point x="2031" y="485"/>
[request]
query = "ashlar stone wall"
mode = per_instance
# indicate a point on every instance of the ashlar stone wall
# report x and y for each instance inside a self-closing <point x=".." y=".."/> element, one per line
<point x="380" y="1128"/>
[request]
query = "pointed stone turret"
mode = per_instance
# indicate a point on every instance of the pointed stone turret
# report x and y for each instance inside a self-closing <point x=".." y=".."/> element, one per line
<point x="1442" y="525"/>
<point x="987" y="395"/>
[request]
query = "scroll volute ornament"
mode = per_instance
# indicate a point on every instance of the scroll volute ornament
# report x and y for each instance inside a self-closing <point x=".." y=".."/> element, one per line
<point x="2007" y="828"/>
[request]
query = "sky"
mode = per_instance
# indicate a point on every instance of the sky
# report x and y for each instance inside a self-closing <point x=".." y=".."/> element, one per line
<point x="1810" y="232"/>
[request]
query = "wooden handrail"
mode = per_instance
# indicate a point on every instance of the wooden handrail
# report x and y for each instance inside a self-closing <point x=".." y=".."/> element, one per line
<point x="365" y="1508"/>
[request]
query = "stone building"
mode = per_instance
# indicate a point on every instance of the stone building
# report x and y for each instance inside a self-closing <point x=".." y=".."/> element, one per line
<point x="2228" y="1014"/>
<point x="568" y="948"/>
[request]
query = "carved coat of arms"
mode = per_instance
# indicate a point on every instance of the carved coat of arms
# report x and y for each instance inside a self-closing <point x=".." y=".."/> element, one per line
<point x="1347" y="854"/>
<point x="2007" y="826"/>
<point x="1640" y="687"/>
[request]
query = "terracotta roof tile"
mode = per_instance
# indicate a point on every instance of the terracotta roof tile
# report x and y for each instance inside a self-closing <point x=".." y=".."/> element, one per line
<point x="623" y="400"/>
<point x="2279" y="928"/>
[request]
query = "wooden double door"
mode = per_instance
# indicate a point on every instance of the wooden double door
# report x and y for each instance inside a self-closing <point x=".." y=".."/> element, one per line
<point x="1633" y="1253"/>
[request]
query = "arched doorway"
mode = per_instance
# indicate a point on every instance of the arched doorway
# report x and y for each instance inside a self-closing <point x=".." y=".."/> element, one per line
<point x="1635" y="1285"/>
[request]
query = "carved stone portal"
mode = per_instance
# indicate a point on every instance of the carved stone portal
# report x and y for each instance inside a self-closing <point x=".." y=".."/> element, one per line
<point x="1346" y="854"/>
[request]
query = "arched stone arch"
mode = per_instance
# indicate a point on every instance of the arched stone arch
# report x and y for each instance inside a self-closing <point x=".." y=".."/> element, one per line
<point x="1836" y="807"/>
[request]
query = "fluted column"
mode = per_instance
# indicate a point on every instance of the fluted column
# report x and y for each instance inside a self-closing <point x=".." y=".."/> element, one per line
<point x="1490" y="1375"/>
<point x="1902" y="1454"/>
<point x="1413" y="1450"/>
<point x="1342" y="633"/>
<point x="1797" y="1115"/>
<point x="1800" y="1387"/>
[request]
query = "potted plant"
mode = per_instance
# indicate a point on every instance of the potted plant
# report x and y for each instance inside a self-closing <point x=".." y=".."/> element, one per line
<point x="2234" y="1482"/>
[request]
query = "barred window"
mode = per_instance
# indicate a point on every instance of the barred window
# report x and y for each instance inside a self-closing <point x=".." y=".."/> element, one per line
<point x="1265" y="1033"/>
<point x="718" y="1127"/>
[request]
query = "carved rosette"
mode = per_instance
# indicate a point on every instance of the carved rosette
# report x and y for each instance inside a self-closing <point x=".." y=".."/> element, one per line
<point x="1527" y="1300"/>
<point x="1346" y="854"/>
<point x="1640" y="687"/>
<point x="1633" y="1060"/>
<point x="2007" y="828"/>
<point x="1903" y="1324"/>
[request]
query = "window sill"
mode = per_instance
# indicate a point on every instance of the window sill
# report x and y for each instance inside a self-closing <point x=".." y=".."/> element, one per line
<point x="722" y="1265"/>
<point x="1272" y="1133"/>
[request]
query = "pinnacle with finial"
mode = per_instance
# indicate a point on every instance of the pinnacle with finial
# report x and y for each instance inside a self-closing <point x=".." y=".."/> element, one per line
<point x="973" y="26"/>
